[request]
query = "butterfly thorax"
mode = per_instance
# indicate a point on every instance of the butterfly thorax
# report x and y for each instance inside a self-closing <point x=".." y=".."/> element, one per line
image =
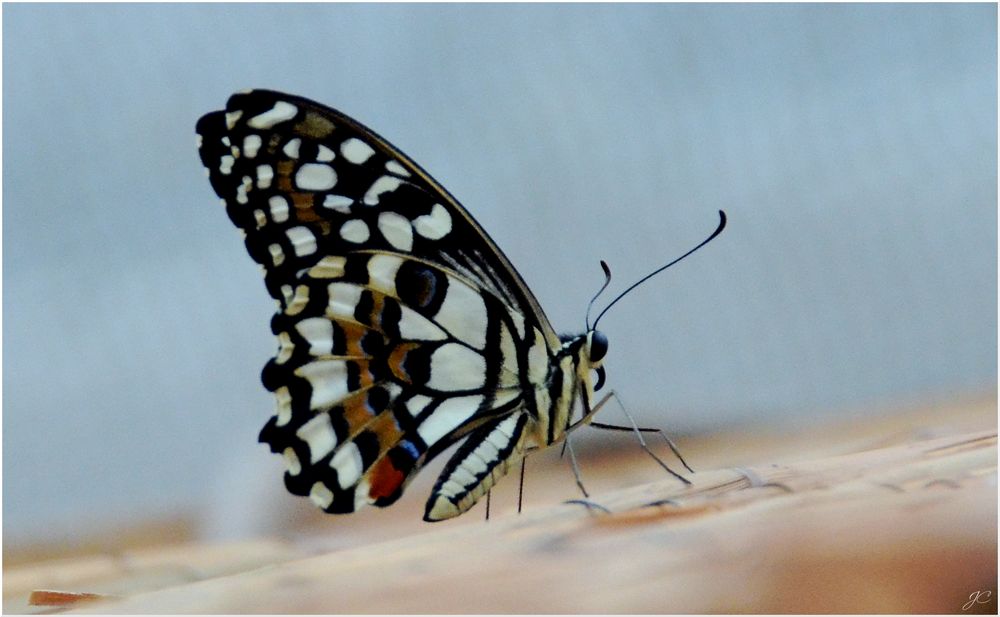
<point x="569" y="375"/>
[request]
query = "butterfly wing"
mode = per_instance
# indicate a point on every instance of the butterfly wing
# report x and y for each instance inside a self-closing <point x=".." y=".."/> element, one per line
<point x="401" y="326"/>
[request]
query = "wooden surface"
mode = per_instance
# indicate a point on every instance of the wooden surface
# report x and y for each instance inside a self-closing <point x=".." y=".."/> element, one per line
<point x="890" y="515"/>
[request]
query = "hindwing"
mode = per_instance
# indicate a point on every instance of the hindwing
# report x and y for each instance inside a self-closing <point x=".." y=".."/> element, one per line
<point x="401" y="326"/>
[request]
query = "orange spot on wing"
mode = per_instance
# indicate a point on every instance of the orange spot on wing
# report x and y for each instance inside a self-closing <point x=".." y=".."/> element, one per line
<point x="387" y="431"/>
<point x="378" y="304"/>
<point x="367" y="379"/>
<point x="397" y="359"/>
<point x="353" y="334"/>
<point x="357" y="413"/>
<point x="283" y="170"/>
<point x="305" y="210"/>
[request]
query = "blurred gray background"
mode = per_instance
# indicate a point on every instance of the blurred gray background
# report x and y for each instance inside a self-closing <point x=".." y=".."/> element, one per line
<point x="854" y="148"/>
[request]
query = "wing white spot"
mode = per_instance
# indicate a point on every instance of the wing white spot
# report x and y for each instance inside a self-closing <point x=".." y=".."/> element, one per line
<point x="315" y="177"/>
<point x="518" y="320"/>
<point x="330" y="267"/>
<point x="295" y="302"/>
<point x="382" y="273"/>
<point x="292" y="463"/>
<point x="362" y="494"/>
<point x="509" y="375"/>
<point x="277" y="255"/>
<point x="344" y="299"/>
<point x="538" y="361"/>
<point x="415" y="327"/>
<point x="243" y="189"/>
<point x="338" y="203"/>
<point x="284" y="404"/>
<point x="328" y="379"/>
<point x="226" y="164"/>
<point x="291" y="149"/>
<point x="303" y="241"/>
<point x="449" y="415"/>
<point x="325" y="155"/>
<point x="355" y="231"/>
<point x="347" y="462"/>
<point x="356" y="151"/>
<point x="260" y="218"/>
<point x="397" y="230"/>
<point x="232" y="117"/>
<point x="385" y="184"/>
<point x="396" y="168"/>
<point x="435" y="225"/>
<point x="463" y="314"/>
<point x="279" y="208"/>
<point x="285" y="348"/>
<point x="417" y="403"/>
<point x="318" y="332"/>
<point x="279" y="113"/>
<point x="319" y="435"/>
<point x="251" y="145"/>
<point x="265" y="173"/>
<point x="456" y="367"/>
<point x="321" y="495"/>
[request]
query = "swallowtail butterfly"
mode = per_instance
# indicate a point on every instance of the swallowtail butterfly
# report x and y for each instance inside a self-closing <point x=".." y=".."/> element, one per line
<point x="402" y="328"/>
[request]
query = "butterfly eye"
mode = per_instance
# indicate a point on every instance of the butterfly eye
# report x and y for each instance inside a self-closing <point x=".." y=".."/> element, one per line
<point x="598" y="346"/>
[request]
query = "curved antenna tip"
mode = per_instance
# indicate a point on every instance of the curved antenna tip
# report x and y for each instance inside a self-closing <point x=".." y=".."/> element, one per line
<point x="718" y="230"/>
<point x="606" y="268"/>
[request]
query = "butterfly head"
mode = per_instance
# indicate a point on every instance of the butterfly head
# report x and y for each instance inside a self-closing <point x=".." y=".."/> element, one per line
<point x="597" y="348"/>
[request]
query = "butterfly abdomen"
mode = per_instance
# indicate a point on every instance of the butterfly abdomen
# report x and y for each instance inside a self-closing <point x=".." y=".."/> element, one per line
<point x="473" y="470"/>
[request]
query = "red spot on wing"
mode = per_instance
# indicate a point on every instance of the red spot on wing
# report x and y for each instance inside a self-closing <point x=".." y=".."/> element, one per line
<point x="385" y="480"/>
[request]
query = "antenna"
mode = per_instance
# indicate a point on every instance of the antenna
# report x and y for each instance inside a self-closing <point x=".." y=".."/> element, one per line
<point x="607" y="279"/>
<point x="718" y="230"/>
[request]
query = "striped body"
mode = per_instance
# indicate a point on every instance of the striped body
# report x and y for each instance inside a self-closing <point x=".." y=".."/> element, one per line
<point x="401" y="327"/>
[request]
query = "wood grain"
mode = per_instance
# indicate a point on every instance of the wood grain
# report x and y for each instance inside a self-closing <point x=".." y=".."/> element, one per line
<point x="897" y="514"/>
<point x="908" y="528"/>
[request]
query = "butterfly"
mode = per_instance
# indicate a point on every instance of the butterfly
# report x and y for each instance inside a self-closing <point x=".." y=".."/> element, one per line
<point x="401" y="327"/>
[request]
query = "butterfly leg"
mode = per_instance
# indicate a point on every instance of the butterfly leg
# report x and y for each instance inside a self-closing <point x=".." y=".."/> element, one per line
<point x="576" y="468"/>
<point x="520" y="487"/>
<point x="590" y="505"/>
<point x="642" y="442"/>
<point x="639" y="431"/>
<point x="589" y="413"/>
